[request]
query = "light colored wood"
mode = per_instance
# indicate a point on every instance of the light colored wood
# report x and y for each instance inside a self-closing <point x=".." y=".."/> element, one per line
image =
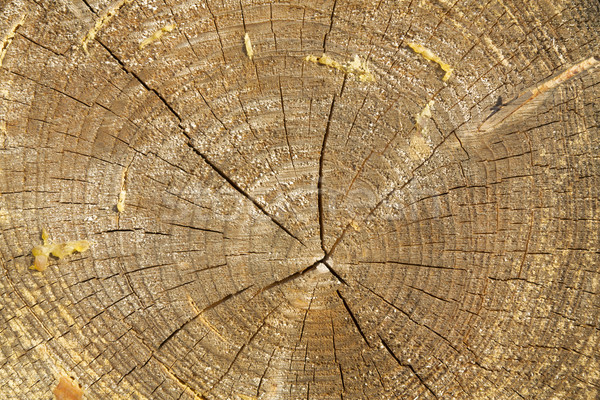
<point x="288" y="230"/>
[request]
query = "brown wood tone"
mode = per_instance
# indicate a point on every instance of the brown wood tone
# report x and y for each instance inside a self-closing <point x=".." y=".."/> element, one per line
<point x="414" y="215"/>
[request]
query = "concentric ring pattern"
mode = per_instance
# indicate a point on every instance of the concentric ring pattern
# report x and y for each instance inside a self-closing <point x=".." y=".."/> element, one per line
<point x="288" y="229"/>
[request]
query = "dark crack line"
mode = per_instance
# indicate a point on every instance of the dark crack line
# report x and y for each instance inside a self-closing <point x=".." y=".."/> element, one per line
<point x="427" y="293"/>
<point x="242" y="13"/>
<point x="320" y="181"/>
<point x="413" y="265"/>
<point x="196" y="228"/>
<point x="241" y="349"/>
<point x="360" y="170"/>
<point x="334" y="272"/>
<point x="271" y="23"/>
<point x="198" y="152"/>
<point x="389" y="303"/>
<point x="234" y="185"/>
<point x="376" y="370"/>
<point x="141" y="81"/>
<point x="355" y="118"/>
<point x="210" y="306"/>
<point x="335" y="357"/>
<point x="330" y="25"/>
<point x="40" y="45"/>
<point x="342" y="377"/>
<point x="290" y="277"/>
<point x="406" y="365"/>
<point x="214" y="21"/>
<point x="285" y="128"/>
<point x="527" y="241"/>
<point x="343" y="84"/>
<point x="262" y="378"/>
<point x="51" y="88"/>
<point x="353" y="318"/>
<point x="90" y="7"/>
<point x="245" y="344"/>
<point x="210" y="108"/>
<point x="335" y="353"/>
<point x="306" y="315"/>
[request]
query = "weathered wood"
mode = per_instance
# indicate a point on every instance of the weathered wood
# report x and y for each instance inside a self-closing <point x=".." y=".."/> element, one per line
<point x="267" y="227"/>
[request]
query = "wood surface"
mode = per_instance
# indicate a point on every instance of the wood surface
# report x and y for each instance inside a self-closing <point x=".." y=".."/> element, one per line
<point x="282" y="226"/>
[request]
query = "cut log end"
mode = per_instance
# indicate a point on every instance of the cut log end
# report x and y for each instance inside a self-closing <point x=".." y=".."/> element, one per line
<point x="317" y="200"/>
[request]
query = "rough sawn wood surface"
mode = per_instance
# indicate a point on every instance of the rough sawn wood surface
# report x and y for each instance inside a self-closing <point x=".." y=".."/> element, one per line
<point x="289" y="228"/>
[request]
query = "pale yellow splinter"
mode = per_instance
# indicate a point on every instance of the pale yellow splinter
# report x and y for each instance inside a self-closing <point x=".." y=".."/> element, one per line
<point x="357" y="66"/>
<point x="157" y="35"/>
<point x="248" y="46"/>
<point x="428" y="55"/>
<point x="59" y="250"/>
<point x="9" y="38"/>
<point x="101" y="22"/>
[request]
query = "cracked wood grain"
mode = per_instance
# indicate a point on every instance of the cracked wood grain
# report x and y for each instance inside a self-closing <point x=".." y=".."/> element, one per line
<point x="409" y="366"/>
<point x="289" y="232"/>
<point x="320" y="181"/>
<point x="204" y="158"/>
<point x="353" y="318"/>
<point x="199" y="314"/>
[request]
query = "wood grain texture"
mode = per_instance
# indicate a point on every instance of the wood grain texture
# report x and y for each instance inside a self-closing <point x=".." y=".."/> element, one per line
<point x="290" y="231"/>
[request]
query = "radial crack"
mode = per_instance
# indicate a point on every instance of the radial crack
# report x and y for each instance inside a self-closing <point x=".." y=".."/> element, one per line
<point x="238" y="353"/>
<point x="262" y="378"/>
<point x="334" y="272"/>
<point x="290" y="277"/>
<point x="195" y="317"/>
<point x="407" y="365"/>
<point x="196" y="228"/>
<point x="141" y="81"/>
<point x="330" y="24"/>
<point x="320" y="181"/>
<point x="306" y="315"/>
<point x="335" y="354"/>
<point x="234" y="185"/>
<point x="420" y="265"/>
<point x="209" y="162"/>
<point x="287" y="139"/>
<point x="241" y="349"/>
<point x="353" y="318"/>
